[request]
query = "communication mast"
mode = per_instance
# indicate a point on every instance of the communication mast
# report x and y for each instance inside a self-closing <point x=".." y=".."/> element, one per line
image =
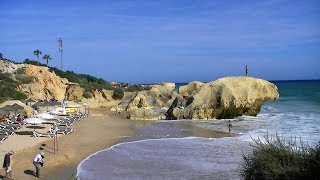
<point x="60" y="50"/>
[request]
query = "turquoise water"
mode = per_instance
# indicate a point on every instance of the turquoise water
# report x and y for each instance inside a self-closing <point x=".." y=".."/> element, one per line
<point x="298" y="96"/>
<point x="163" y="150"/>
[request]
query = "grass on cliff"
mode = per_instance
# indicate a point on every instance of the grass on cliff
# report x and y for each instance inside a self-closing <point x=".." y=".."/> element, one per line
<point x="8" y="89"/>
<point x="277" y="158"/>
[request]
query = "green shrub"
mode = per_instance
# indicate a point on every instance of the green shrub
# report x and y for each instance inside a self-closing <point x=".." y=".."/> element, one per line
<point x="19" y="95"/>
<point x="23" y="79"/>
<point x="28" y="61"/>
<point x="280" y="159"/>
<point x="137" y="87"/>
<point x="87" y="95"/>
<point x="8" y="88"/>
<point x="118" y="93"/>
<point x="133" y="88"/>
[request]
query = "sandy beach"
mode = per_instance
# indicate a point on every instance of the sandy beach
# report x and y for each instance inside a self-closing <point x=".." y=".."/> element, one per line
<point x="99" y="131"/>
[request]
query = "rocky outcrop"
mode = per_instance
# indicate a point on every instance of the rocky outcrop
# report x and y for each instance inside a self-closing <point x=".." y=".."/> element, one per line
<point x="190" y="88"/>
<point x="8" y="67"/>
<point x="45" y="85"/>
<point x="39" y="83"/>
<point x="225" y="98"/>
<point x="149" y="104"/>
<point x="74" y="92"/>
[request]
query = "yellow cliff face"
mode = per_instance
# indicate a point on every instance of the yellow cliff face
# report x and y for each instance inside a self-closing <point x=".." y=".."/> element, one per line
<point x="45" y="85"/>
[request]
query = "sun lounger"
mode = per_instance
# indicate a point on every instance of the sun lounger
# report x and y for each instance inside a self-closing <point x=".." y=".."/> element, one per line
<point x="10" y="131"/>
<point x="3" y="137"/>
<point x="62" y="130"/>
<point x="36" y="135"/>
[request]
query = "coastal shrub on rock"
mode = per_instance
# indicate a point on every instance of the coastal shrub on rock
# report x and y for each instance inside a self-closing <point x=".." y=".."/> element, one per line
<point x="8" y="89"/>
<point x="87" y="95"/>
<point x="277" y="158"/>
<point x="137" y="87"/>
<point x="118" y="94"/>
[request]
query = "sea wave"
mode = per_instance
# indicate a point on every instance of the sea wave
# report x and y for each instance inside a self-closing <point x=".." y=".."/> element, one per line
<point x="167" y="158"/>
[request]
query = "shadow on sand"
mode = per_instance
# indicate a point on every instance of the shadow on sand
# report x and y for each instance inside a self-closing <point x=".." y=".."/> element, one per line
<point x="29" y="172"/>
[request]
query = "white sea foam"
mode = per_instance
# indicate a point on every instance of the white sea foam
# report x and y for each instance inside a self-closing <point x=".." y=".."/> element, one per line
<point x="167" y="158"/>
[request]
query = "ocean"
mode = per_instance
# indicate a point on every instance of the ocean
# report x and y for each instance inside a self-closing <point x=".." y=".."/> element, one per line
<point x="168" y="150"/>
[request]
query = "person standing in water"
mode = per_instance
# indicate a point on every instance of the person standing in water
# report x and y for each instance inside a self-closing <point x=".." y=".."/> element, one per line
<point x="229" y="126"/>
<point x="247" y="70"/>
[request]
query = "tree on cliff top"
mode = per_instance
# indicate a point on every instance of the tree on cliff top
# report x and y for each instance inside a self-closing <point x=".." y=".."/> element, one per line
<point x="47" y="57"/>
<point x="37" y="53"/>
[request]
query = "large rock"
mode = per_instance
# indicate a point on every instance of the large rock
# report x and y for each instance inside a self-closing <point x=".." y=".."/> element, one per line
<point x="9" y="67"/>
<point x="225" y="98"/>
<point x="149" y="104"/>
<point x="74" y="92"/>
<point x="190" y="88"/>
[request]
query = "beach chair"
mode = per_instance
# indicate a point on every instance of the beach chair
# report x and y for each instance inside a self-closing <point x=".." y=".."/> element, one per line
<point x="14" y="126"/>
<point x="10" y="131"/>
<point x="37" y="134"/>
<point x="62" y="130"/>
<point x="3" y="136"/>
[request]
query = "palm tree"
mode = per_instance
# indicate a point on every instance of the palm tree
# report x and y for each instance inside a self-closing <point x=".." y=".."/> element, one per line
<point x="37" y="53"/>
<point x="47" y="57"/>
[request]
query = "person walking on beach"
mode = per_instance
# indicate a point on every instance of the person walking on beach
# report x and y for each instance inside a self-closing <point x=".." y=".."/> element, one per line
<point x="38" y="163"/>
<point x="7" y="164"/>
<point x="229" y="126"/>
<point x="247" y="70"/>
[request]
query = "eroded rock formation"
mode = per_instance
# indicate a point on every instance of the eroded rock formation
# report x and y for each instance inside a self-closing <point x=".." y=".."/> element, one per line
<point x="225" y="98"/>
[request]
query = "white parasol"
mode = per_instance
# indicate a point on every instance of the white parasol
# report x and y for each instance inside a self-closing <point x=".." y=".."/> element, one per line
<point x="59" y="111"/>
<point x="34" y="121"/>
<point x="45" y="116"/>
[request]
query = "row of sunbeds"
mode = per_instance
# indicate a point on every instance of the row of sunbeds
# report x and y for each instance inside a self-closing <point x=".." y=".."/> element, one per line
<point x="7" y="129"/>
<point x="64" y="126"/>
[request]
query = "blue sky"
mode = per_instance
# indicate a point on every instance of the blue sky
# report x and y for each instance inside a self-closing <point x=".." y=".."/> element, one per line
<point x="177" y="41"/>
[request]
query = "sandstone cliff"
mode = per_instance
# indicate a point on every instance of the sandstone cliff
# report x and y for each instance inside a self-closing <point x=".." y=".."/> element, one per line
<point x="39" y="83"/>
<point x="45" y="84"/>
<point x="225" y="98"/>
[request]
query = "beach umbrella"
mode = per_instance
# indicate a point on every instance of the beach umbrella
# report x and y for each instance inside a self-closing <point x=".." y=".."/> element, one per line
<point x="34" y="121"/>
<point x="2" y="112"/>
<point x="29" y="101"/>
<point x="36" y="105"/>
<point x="58" y="111"/>
<point x="17" y="108"/>
<point x="55" y="103"/>
<point x="8" y="109"/>
<point x="45" y="116"/>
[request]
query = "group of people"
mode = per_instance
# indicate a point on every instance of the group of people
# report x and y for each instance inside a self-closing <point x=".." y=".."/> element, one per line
<point x="19" y="118"/>
<point x="37" y="162"/>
